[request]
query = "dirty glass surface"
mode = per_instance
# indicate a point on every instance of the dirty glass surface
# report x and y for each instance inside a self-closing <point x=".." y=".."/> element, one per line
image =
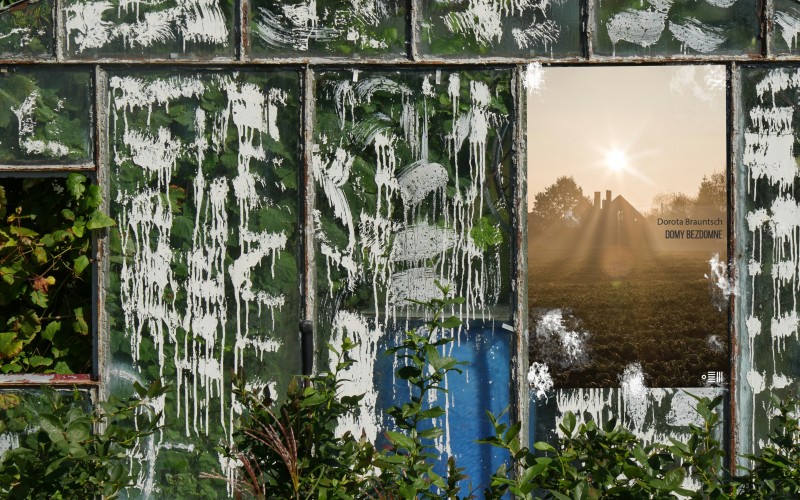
<point x="26" y="29"/>
<point x="627" y="229"/>
<point x="786" y="27"/>
<point x="162" y="29"/>
<point x="19" y="411"/>
<point x="768" y="229"/>
<point x="327" y="28"/>
<point x="628" y="28"/>
<point x="455" y="28"/>
<point x="45" y="115"/>
<point x="412" y="176"/>
<point x="203" y="288"/>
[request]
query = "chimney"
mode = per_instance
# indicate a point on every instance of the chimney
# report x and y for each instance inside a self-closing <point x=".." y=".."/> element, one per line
<point x="597" y="200"/>
<point x="608" y="199"/>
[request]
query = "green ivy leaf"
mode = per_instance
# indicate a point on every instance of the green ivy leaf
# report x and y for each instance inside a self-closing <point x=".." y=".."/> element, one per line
<point x="80" y="264"/>
<point x="10" y="345"/>
<point x="99" y="220"/>
<point x="76" y="185"/>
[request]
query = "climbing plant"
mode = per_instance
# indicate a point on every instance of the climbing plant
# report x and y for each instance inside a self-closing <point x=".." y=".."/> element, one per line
<point x="46" y="226"/>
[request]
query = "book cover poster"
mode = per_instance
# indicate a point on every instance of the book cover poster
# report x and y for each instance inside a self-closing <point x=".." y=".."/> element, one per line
<point x="627" y="226"/>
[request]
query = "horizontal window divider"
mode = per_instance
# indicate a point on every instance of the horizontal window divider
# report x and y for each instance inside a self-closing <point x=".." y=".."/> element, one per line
<point x="33" y="169"/>
<point x="48" y="379"/>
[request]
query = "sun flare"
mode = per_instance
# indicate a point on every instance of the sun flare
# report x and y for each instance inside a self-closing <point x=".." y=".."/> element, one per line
<point x="616" y="160"/>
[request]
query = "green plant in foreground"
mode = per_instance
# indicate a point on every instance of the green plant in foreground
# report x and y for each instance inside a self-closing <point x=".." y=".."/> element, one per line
<point x="46" y="226"/>
<point x="61" y="454"/>
<point x="776" y="471"/>
<point x="292" y="451"/>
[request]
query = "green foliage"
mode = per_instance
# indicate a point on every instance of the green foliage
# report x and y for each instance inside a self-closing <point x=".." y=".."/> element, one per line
<point x="293" y="451"/>
<point x="776" y="471"/>
<point x="45" y="285"/>
<point x="409" y="464"/>
<point x="66" y="456"/>
<point x="590" y="462"/>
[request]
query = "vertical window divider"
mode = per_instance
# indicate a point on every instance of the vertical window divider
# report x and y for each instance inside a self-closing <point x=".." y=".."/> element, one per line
<point x="766" y="11"/>
<point x="587" y="29"/>
<point x="101" y="262"/>
<point x="737" y="385"/>
<point x="412" y="29"/>
<point x="59" y="30"/>
<point x="519" y="397"/>
<point x="309" y="284"/>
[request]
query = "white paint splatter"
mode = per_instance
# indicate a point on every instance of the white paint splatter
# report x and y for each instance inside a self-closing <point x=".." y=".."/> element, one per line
<point x="482" y="19"/>
<point x="634" y="394"/>
<point x="641" y="27"/>
<point x="27" y="126"/>
<point x="533" y="81"/>
<point x="419" y="179"/>
<point x="89" y="25"/>
<point x="698" y="36"/>
<point x="723" y="4"/>
<point x="539" y="380"/>
<point x="558" y="344"/>
<point x="360" y="375"/>
<point x="420" y="242"/>
<point x="723" y="286"/>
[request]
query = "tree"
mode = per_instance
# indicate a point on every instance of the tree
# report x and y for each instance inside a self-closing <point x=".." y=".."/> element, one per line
<point x="561" y="202"/>
<point x="712" y="192"/>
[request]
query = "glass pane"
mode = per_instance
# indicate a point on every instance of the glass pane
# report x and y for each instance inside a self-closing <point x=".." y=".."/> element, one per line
<point x="626" y="28"/>
<point x="767" y="221"/>
<point x="19" y="410"/>
<point x="327" y="28"/>
<point x="632" y="279"/>
<point x="786" y="27"/>
<point x="44" y="118"/>
<point x="412" y="175"/>
<point x="454" y="28"/>
<point x="168" y="29"/>
<point x="203" y="285"/>
<point x="26" y="29"/>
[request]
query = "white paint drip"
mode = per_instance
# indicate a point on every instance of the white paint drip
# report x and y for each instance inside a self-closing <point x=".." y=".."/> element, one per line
<point x="789" y="26"/>
<point x="360" y="375"/>
<point x="697" y="36"/>
<point x="723" y="4"/>
<point x="148" y="284"/>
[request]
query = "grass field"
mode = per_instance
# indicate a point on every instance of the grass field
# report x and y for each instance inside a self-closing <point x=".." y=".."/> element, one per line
<point x="656" y="309"/>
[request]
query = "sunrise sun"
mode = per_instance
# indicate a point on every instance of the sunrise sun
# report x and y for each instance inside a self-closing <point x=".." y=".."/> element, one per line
<point x="616" y="160"/>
